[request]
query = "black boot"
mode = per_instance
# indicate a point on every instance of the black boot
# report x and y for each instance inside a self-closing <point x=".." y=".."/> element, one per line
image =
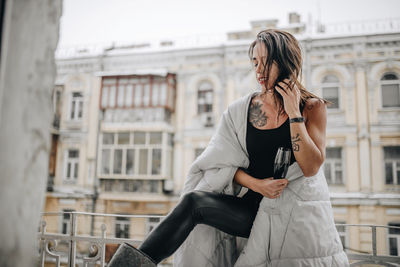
<point x="127" y="255"/>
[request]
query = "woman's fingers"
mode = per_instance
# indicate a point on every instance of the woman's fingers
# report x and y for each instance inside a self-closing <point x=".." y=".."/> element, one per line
<point x="280" y="90"/>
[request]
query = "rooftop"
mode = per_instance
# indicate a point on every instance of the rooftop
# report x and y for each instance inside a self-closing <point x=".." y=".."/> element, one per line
<point x="313" y="30"/>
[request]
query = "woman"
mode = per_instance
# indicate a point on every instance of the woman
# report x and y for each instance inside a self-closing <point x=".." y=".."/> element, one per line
<point x="287" y="224"/>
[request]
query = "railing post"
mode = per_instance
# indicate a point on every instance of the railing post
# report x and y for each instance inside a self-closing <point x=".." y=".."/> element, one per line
<point x="103" y="244"/>
<point x="42" y="244"/>
<point x="72" y="246"/>
<point x="374" y="240"/>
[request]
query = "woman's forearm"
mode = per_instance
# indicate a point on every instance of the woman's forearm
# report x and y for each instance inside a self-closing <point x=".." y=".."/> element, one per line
<point x="245" y="180"/>
<point x="307" y="154"/>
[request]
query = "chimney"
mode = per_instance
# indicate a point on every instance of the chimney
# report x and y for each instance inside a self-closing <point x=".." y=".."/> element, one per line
<point x="294" y="18"/>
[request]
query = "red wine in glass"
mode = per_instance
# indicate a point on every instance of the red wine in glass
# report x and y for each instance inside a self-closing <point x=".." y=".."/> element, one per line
<point x="282" y="162"/>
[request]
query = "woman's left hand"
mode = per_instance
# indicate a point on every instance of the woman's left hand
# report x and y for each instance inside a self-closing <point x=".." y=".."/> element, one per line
<point x="291" y="97"/>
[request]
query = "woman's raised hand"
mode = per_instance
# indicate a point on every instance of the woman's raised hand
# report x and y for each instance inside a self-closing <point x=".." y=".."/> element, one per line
<point x="270" y="187"/>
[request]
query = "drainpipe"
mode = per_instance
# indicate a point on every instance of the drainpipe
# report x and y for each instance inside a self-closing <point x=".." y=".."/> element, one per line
<point x="96" y="179"/>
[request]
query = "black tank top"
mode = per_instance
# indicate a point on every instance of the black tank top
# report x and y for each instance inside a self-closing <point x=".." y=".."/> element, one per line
<point x="262" y="146"/>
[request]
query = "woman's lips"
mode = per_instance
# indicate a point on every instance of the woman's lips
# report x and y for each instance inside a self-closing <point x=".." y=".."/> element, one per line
<point x="261" y="80"/>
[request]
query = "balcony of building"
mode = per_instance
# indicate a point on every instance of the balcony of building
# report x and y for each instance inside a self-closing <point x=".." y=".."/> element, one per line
<point x="138" y="97"/>
<point x="90" y="239"/>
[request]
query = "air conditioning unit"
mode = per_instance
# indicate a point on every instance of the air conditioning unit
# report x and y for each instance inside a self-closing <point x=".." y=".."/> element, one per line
<point x="207" y="119"/>
<point x="168" y="186"/>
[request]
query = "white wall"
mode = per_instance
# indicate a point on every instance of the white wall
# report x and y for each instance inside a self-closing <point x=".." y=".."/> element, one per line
<point x="27" y="74"/>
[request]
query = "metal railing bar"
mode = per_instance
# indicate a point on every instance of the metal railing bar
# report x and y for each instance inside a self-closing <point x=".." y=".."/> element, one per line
<point x="102" y="214"/>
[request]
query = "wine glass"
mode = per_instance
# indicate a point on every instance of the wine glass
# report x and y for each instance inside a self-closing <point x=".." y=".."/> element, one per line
<point x="282" y="162"/>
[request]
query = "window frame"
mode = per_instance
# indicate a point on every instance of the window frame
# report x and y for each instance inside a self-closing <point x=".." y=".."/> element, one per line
<point x="64" y="221"/>
<point x="151" y="182"/>
<point x="395" y="166"/>
<point x="163" y="146"/>
<point x="332" y="162"/>
<point x="389" y="235"/>
<point x="79" y="101"/>
<point x="336" y="84"/>
<point x="388" y="82"/>
<point x="141" y="95"/>
<point x="74" y="165"/>
<point x="205" y="91"/>
<point x="122" y="221"/>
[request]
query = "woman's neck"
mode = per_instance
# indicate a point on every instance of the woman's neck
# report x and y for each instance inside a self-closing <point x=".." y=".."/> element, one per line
<point x="267" y="97"/>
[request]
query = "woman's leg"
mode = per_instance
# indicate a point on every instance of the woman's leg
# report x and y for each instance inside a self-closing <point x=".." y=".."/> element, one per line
<point x="230" y="214"/>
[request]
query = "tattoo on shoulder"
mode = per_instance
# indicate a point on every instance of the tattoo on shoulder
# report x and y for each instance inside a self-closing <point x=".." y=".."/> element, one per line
<point x="314" y="104"/>
<point x="295" y="140"/>
<point x="256" y="116"/>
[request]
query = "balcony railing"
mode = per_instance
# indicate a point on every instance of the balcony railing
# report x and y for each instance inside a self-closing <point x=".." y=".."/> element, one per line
<point x="51" y="254"/>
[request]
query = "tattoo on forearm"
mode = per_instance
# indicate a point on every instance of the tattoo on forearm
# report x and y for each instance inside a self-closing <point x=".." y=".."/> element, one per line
<point x="256" y="116"/>
<point x="295" y="140"/>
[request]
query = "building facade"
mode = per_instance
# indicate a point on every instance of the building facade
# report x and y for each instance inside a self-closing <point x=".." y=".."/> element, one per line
<point x="133" y="118"/>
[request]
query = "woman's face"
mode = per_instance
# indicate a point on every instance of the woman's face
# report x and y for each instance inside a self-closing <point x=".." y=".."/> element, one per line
<point x="259" y="60"/>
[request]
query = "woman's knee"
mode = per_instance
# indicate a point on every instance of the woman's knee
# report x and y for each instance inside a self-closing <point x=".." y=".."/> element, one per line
<point x="193" y="198"/>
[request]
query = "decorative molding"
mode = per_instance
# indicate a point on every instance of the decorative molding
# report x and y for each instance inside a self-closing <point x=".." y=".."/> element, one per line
<point x="67" y="201"/>
<point x="339" y="210"/>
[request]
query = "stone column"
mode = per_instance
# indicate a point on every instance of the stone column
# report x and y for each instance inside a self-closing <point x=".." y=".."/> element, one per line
<point x="27" y="74"/>
<point x="363" y="127"/>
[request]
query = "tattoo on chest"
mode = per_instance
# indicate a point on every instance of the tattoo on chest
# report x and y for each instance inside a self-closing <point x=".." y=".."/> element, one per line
<point x="256" y="116"/>
<point x="295" y="144"/>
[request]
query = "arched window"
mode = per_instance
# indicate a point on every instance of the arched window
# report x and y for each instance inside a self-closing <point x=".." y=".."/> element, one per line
<point x="390" y="88"/>
<point x="330" y="90"/>
<point x="205" y="97"/>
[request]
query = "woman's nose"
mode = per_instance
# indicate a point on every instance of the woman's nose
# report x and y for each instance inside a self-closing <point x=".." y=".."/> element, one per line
<point x="259" y="69"/>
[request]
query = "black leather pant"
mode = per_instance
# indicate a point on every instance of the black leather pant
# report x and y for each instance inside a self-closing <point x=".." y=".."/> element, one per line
<point x="230" y="214"/>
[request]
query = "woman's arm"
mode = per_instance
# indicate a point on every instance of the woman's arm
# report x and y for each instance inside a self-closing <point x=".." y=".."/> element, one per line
<point x="267" y="187"/>
<point x="308" y="139"/>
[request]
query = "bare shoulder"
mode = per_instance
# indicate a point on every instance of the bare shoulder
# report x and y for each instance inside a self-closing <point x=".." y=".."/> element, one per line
<point x="315" y="110"/>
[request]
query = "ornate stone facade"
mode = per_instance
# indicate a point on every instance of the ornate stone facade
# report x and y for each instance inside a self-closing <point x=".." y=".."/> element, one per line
<point x="346" y="67"/>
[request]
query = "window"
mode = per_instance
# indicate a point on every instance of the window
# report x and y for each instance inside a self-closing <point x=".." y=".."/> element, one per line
<point x="108" y="185"/>
<point x="130" y="161"/>
<point x="135" y="161"/>
<point x="159" y="93"/>
<point x="140" y="138"/>
<point x="152" y="223"/>
<point x="204" y="97"/>
<point x="330" y="90"/>
<point x="137" y="91"/>
<point x="105" y="161"/>
<point x="76" y="108"/>
<point x="122" y="227"/>
<point x="65" y="223"/>
<point x="390" y="89"/>
<point x="117" y="161"/>
<point x="123" y="138"/>
<point x="333" y="165"/>
<point x="155" y="138"/>
<point x="156" y="162"/>
<point x="143" y="158"/>
<point x="57" y="92"/>
<point x="394" y="240"/>
<point x="342" y="232"/>
<point x="71" y="165"/>
<point x="133" y="153"/>
<point x="131" y="185"/>
<point x="392" y="164"/>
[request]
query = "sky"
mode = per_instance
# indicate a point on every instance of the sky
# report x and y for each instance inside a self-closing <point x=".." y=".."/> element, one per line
<point x="88" y="22"/>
